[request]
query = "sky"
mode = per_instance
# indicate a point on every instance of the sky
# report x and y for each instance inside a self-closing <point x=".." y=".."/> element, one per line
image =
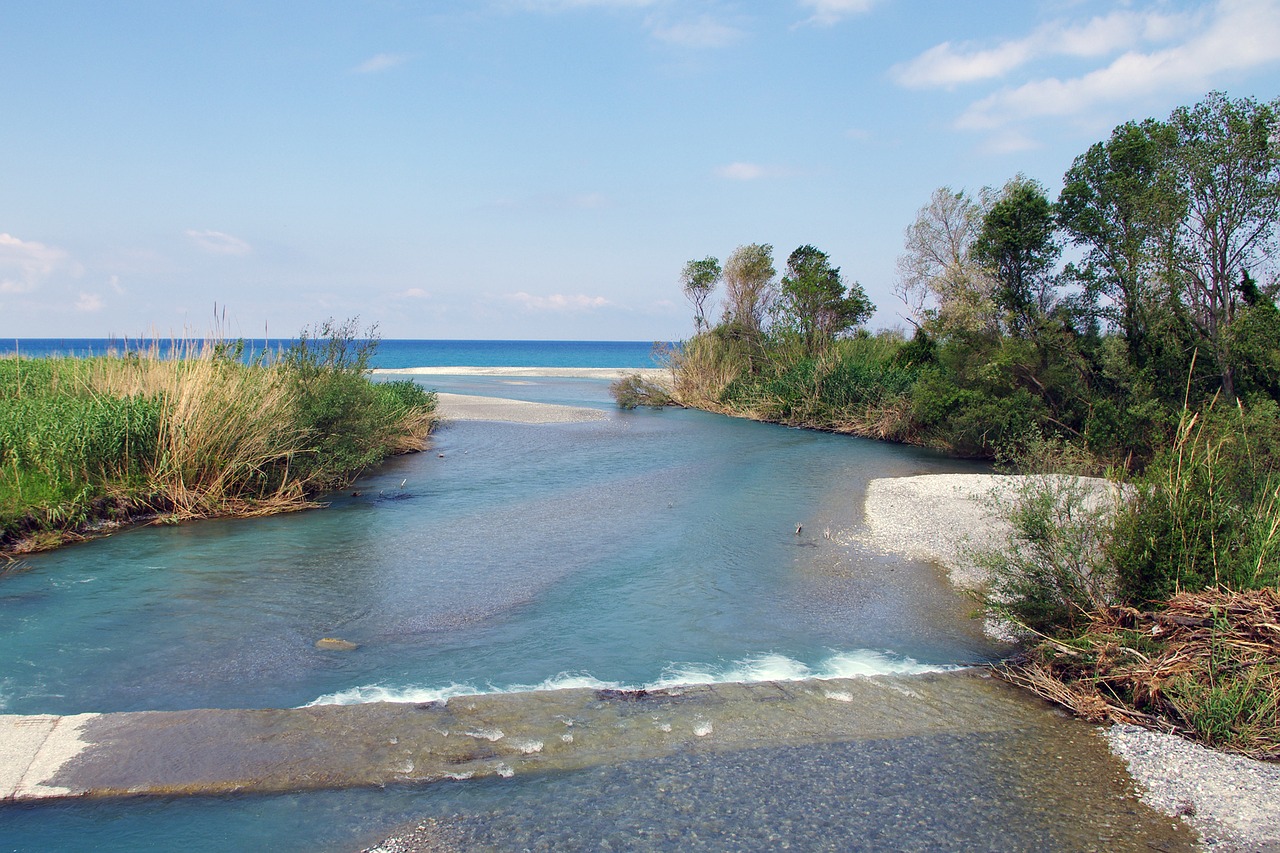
<point x="536" y="169"/>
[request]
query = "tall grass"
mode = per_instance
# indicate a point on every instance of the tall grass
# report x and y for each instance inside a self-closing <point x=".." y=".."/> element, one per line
<point x="1206" y="513"/>
<point x="856" y="385"/>
<point x="196" y="434"/>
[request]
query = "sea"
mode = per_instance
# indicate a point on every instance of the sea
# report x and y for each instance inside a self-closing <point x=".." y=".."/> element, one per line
<point x="389" y="353"/>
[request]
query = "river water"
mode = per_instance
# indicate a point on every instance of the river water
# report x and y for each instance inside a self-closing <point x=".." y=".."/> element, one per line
<point x="643" y="550"/>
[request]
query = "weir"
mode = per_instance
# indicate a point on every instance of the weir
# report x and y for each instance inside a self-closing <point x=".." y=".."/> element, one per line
<point x="939" y="748"/>
<point x="340" y="746"/>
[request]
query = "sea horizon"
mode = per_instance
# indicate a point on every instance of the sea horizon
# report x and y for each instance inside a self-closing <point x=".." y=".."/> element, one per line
<point x="391" y="352"/>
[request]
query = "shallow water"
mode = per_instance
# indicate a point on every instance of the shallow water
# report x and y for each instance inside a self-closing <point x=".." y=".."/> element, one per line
<point x="650" y="548"/>
<point x="647" y="548"/>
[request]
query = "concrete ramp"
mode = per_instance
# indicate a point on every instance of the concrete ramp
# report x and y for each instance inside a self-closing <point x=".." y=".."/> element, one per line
<point x="222" y="751"/>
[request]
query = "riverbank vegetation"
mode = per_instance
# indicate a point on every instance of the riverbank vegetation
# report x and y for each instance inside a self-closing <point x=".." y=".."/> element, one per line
<point x="203" y="432"/>
<point x="1128" y="327"/>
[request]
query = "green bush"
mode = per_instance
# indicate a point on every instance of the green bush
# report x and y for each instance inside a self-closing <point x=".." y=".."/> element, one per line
<point x="1054" y="574"/>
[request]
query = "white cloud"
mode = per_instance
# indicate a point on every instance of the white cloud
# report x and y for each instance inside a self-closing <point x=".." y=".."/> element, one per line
<point x="860" y="134"/>
<point x="558" y="302"/>
<point x="114" y="283"/>
<point x="26" y="264"/>
<point x="1009" y="142"/>
<point x="742" y="171"/>
<point x="380" y="62"/>
<point x="414" y="293"/>
<point x="1241" y="35"/>
<point x="702" y="32"/>
<point x="949" y="64"/>
<point x="828" y="12"/>
<point x="89" y="302"/>
<point x="219" y="243"/>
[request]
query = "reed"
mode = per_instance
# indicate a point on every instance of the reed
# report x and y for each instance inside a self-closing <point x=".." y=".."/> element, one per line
<point x="194" y="434"/>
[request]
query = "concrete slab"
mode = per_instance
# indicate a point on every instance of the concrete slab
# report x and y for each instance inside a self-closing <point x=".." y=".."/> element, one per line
<point x="223" y="751"/>
<point x="20" y="742"/>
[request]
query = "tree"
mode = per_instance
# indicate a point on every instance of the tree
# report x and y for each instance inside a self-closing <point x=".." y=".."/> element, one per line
<point x="1016" y="244"/>
<point x="699" y="279"/>
<point x="816" y="303"/>
<point x="1226" y="161"/>
<point x="749" y="288"/>
<point x="1119" y="202"/>
<point x="938" y="278"/>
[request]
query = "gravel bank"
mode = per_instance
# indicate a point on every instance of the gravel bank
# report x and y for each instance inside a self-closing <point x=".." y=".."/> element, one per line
<point x="1232" y="801"/>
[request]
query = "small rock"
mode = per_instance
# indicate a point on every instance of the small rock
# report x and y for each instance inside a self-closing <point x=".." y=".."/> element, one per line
<point x="336" y="644"/>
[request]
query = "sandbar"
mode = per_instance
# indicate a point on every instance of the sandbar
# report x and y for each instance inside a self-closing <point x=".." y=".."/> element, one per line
<point x="470" y="407"/>
<point x="650" y="373"/>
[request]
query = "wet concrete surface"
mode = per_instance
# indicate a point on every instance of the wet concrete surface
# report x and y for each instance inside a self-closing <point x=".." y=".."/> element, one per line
<point x="942" y="761"/>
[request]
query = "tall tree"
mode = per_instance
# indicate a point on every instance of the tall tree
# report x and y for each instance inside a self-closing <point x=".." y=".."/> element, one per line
<point x="940" y="282"/>
<point x="1226" y="159"/>
<point x="699" y="279"/>
<point x="1119" y="203"/>
<point x="1016" y="244"/>
<point x="815" y="302"/>
<point x="749" y="287"/>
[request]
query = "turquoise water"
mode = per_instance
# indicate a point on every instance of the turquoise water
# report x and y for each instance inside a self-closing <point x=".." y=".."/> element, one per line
<point x="645" y="548"/>
<point x="648" y="548"/>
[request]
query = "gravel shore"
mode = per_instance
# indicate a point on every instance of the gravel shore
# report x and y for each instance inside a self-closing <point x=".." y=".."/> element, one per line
<point x="1232" y="801"/>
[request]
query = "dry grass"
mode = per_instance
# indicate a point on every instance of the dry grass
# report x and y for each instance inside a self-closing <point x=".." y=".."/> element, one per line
<point x="220" y="438"/>
<point x="1207" y="666"/>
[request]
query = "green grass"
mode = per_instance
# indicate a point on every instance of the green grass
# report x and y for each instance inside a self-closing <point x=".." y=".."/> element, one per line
<point x="201" y="434"/>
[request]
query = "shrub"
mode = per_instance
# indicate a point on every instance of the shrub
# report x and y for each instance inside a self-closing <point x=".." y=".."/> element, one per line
<point x="633" y="390"/>
<point x="1054" y="573"/>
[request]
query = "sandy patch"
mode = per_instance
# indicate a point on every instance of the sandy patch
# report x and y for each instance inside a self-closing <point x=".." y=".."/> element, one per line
<point x="653" y="374"/>
<point x="467" y="407"/>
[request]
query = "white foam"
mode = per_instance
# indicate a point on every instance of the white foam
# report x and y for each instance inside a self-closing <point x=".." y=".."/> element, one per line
<point x="860" y="663"/>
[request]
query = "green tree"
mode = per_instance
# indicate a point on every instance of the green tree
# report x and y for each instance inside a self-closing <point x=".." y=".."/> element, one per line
<point x="749" y="288"/>
<point x="1016" y="244"/>
<point x="1226" y="160"/>
<point x="699" y="279"/>
<point x="816" y="303"/>
<point x="1119" y="203"/>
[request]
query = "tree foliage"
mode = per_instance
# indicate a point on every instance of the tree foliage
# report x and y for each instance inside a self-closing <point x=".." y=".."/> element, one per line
<point x="1226" y="162"/>
<point x="938" y="278"/>
<point x="750" y="288"/>
<point x="698" y="279"/>
<point x="815" y="303"/>
<point x="1017" y="247"/>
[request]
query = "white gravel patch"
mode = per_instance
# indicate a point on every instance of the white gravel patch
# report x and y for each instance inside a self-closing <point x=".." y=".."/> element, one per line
<point x="1232" y="801"/>
<point x="938" y="517"/>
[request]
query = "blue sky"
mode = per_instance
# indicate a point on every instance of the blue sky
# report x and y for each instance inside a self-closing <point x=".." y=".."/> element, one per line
<point x="536" y="169"/>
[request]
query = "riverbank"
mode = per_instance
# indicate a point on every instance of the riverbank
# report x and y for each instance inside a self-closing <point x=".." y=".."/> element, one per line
<point x="88" y="445"/>
<point x="1232" y="801"/>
